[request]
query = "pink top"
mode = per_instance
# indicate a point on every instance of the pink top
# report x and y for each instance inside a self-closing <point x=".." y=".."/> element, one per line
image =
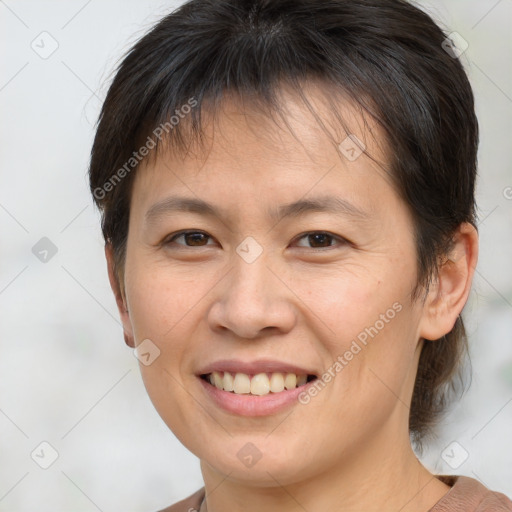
<point x="466" y="495"/>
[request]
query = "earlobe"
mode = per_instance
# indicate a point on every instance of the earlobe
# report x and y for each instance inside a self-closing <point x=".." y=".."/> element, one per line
<point x="119" y="296"/>
<point x="450" y="291"/>
<point x="128" y="340"/>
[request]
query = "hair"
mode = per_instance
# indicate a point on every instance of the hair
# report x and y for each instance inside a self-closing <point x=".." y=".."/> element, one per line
<point x="387" y="56"/>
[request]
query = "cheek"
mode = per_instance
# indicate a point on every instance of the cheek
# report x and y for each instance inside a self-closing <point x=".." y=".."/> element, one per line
<point x="159" y="302"/>
<point x="161" y="310"/>
<point x="368" y="330"/>
<point x="348" y="301"/>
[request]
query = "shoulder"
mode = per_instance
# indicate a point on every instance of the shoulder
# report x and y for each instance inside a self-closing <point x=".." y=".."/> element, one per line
<point x="470" y="495"/>
<point x="190" y="504"/>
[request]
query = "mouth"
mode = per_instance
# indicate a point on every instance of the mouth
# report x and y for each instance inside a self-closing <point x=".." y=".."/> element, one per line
<point x="260" y="387"/>
<point x="259" y="384"/>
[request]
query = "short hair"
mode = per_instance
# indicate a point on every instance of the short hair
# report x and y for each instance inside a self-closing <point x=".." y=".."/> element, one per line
<point x="387" y="56"/>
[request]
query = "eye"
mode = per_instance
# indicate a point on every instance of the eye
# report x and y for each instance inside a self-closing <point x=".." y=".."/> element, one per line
<point x="191" y="238"/>
<point x="320" y="239"/>
<point x="316" y="239"/>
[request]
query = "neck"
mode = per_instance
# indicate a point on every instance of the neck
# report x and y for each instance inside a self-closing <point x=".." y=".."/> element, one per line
<point x="383" y="476"/>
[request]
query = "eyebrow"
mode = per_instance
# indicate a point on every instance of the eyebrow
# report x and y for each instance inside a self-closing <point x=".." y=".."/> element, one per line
<point x="328" y="204"/>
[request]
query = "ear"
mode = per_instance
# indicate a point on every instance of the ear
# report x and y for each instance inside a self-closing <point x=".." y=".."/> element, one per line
<point x="449" y="293"/>
<point x="120" y="297"/>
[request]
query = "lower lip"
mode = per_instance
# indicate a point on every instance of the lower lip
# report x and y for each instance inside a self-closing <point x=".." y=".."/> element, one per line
<point x="252" y="405"/>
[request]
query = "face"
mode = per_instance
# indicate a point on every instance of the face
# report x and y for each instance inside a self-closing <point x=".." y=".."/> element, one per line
<point x="264" y="282"/>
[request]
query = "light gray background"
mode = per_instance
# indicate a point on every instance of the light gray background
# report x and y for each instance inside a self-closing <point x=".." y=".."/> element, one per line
<point x="66" y="376"/>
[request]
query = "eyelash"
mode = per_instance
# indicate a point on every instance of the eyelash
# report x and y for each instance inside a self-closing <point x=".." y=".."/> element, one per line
<point x="341" y="240"/>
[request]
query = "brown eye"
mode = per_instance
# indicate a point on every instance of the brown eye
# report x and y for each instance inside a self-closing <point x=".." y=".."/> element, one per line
<point x="191" y="238"/>
<point x="319" y="239"/>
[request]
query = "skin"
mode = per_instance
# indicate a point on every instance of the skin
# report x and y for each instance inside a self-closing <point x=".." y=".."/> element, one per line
<point x="301" y="301"/>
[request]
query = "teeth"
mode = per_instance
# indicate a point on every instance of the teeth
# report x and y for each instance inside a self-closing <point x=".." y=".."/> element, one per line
<point x="301" y="380"/>
<point x="260" y="384"/>
<point x="276" y="382"/>
<point x="217" y="379"/>
<point x="290" y="381"/>
<point x="227" y="383"/>
<point x="242" y="384"/>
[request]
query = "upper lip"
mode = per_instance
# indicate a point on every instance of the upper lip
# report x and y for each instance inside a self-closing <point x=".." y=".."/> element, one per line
<point x="254" y="367"/>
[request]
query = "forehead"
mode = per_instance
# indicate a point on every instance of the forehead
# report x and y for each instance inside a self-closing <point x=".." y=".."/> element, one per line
<point x="310" y="142"/>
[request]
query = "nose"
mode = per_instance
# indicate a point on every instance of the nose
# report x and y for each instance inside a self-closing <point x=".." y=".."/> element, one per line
<point x="252" y="301"/>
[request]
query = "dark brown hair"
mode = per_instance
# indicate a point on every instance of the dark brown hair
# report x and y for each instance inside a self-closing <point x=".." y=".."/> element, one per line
<point x="388" y="56"/>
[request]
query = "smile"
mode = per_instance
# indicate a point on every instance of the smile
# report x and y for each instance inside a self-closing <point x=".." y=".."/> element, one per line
<point x="260" y="384"/>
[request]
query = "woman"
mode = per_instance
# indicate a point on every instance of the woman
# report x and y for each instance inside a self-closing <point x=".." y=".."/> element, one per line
<point x="287" y="192"/>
